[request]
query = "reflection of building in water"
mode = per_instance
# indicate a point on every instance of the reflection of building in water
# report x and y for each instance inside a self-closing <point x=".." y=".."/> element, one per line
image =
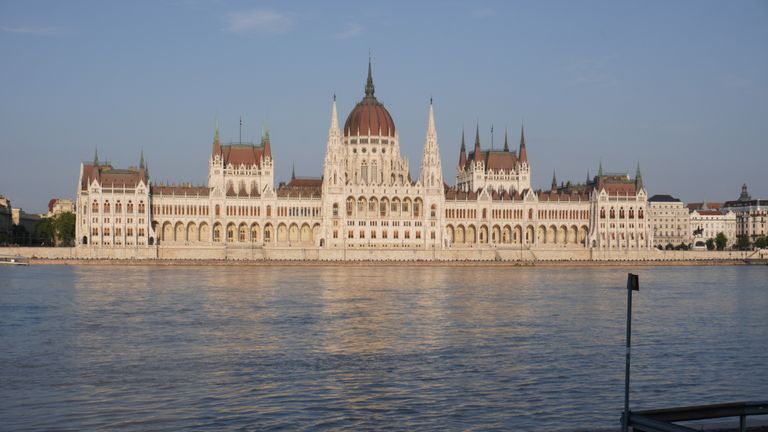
<point x="366" y="199"/>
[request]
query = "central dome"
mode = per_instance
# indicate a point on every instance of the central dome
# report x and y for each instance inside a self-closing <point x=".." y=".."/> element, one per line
<point x="369" y="117"/>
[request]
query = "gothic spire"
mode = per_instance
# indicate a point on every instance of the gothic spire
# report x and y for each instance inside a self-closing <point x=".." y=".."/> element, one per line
<point x="462" y="152"/>
<point x="293" y="171"/>
<point x="141" y="159"/>
<point x="554" y="180"/>
<point x="477" y="143"/>
<point x="523" y="153"/>
<point x="600" y="169"/>
<point x="638" y="177"/>
<point x="334" y="116"/>
<point x="266" y="144"/>
<point x="216" y="142"/>
<point x="96" y="157"/>
<point x="369" y="89"/>
<point x="431" y="120"/>
<point x="506" y="141"/>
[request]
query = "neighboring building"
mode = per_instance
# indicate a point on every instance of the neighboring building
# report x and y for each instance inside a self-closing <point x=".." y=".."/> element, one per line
<point x="670" y="221"/>
<point x="365" y="199"/>
<point x="712" y="222"/>
<point x="6" y="220"/>
<point x="751" y="215"/>
<point x="704" y="206"/>
<point x="27" y="220"/>
<point x="57" y="206"/>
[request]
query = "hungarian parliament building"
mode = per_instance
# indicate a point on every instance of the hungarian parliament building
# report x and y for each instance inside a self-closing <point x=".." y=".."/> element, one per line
<point x="366" y="199"/>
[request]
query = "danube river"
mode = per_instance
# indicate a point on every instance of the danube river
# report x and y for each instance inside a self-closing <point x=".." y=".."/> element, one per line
<point x="370" y="347"/>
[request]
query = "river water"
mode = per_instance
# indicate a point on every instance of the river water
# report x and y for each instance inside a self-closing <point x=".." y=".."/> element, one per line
<point x="370" y="347"/>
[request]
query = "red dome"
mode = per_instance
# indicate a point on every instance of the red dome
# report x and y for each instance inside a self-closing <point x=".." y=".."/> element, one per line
<point x="369" y="115"/>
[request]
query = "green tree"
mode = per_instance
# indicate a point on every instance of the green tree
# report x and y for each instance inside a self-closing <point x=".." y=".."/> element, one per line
<point x="64" y="224"/>
<point x="721" y="241"/>
<point x="742" y="242"/>
<point x="710" y="244"/>
<point x="45" y="233"/>
<point x="761" y="242"/>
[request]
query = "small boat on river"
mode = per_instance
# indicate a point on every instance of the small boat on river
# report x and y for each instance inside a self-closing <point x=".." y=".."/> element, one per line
<point x="13" y="260"/>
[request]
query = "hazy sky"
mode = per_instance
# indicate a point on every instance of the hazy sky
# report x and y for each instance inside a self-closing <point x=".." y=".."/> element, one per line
<point x="680" y="86"/>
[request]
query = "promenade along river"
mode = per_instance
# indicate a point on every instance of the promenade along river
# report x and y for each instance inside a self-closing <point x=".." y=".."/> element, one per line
<point x="370" y="347"/>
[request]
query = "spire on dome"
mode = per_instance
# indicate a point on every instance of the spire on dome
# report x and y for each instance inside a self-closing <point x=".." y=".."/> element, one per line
<point x="523" y="154"/>
<point x="369" y="88"/>
<point x="477" y="142"/>
<point x="554" y="180"/>
<point x="462" y="152"/>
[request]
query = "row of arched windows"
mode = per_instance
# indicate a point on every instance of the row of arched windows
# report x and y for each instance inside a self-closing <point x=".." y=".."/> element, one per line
<point x="107" y="208"/>
<point x="622" y="214"/>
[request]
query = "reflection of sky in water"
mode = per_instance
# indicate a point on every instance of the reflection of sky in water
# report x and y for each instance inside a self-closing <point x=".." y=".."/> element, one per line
<point x="363" y="347"/>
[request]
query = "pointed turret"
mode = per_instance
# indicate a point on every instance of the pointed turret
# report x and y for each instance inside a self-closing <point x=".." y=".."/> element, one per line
<point x="293" y="171"/>
<point x="431" y="175"/>
<point x="141" y="159"/>
<point x="266" y="144"/>
<point x="96" y="157"/>
<point x="506" y="141"/>
<point x="638" y="177"/>
<point x="462" y="152"/>
<point x="554" y="181"/>
<point x="216" y="142"/>
<point x="334" y="116"/>
<point x="588" y="178"/>
<point x="523" y="153"/>
<point x="600" y="169"/>
<point x="477" y="153"/>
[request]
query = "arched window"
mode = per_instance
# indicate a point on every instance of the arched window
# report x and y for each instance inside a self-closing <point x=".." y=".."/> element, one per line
<point x="106" y="206"/>
<point x="621" y="213"/>
<point x="602" y="213"/>
<point x="433" y="211"/>
<point x="142" y="209"/>
<point x="640" y="213"/>
<point x="217" y="210"/>
<point x="631" y="213"/>
<point x="129" y="207"/>
<point x="269" y="211"/>
<point x="335" y="209"/>
<point x="613" y="213"/>
<point x="118" y="207"/>
<point x="350" y="206"/>
<point x="95" y="207"/>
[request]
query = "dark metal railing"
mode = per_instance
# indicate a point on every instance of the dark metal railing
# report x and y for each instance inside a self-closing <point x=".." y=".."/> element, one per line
<point x="662" y="420"/>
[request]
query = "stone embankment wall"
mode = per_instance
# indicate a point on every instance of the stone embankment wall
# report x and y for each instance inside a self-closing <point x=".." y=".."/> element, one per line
<point x="523" y="255"/>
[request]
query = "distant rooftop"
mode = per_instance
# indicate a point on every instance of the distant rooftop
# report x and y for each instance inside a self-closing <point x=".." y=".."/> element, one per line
<point x="663" y="198"/>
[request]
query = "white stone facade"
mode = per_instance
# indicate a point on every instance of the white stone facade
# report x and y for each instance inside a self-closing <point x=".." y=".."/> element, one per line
<point x="711" y="223"/>
<point x="670" y="221"/>
<point x="365" y="201"/>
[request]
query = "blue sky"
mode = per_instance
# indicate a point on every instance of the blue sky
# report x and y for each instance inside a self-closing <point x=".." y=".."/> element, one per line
<point x="680" y="86"/>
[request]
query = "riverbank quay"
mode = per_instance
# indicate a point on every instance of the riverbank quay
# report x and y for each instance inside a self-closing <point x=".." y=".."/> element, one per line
<point x="163" y="255"/>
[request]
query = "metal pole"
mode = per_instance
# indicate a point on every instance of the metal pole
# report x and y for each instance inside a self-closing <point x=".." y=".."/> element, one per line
<point x="632" y="285"/>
